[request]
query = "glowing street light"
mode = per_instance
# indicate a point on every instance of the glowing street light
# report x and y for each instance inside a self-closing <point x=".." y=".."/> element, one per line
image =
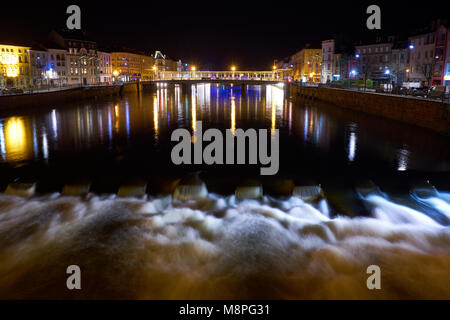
<point x="387" y="71"/>
<point x="411" y="46"/>
<point x="193" y="68"/>
<point x="233" y="68"/>
<point x="115" y="73"/>
<point x="274" y="67"/>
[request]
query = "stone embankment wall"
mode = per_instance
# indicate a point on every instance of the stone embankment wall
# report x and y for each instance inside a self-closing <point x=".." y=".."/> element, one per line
<point x="57" y="97"/>
<point x="429" y="114"/>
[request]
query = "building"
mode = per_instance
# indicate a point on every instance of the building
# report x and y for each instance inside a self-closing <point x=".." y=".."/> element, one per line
<point x="440" y="54"/>
<point x="57" y="72"/>
<point x="284" y="63"/>
<point x="104" y="67"/>
<point x="327" y="69"/>
<point x="447" y="66"/>
<point x="15" y="67"/>
<point x="428" y="54"/>
<point x="338" y="59"/>
<point x="306" y="65"/>
<point x="49" y="66"/>
<point x="164" y="63"/>
<point x="82" y="60"/>
<point x="399" y="64"/>
<point x="345" y="66"/>
<point x="421" y="55"/>
<point x="374" y="61"/>
<point x="38" y="65"/>
<point x="131" y="65"/>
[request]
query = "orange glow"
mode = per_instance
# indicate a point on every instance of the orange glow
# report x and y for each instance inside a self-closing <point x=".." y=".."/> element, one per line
<point x="16" y="139"/>
<point x="233" y="115"/>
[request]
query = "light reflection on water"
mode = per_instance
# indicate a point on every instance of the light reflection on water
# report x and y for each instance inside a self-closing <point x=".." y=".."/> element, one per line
<point x="149" y="118"/>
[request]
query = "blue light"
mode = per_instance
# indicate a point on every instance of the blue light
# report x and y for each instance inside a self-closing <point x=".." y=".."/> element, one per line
<point x="387" y="71"/>
<point x="411" y="46"/>
<point x="357" y="55"/>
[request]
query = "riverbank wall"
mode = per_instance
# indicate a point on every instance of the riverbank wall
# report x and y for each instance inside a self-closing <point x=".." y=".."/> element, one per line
<point x="64" y="96"/>
<point x="433" y="115"/>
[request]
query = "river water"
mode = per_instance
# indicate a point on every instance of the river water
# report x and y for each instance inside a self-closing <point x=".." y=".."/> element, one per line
<point x="386" y="202"/>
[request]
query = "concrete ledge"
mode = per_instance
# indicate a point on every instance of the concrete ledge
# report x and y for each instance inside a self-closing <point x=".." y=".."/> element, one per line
<point x="52" y="97"/>
<point x="433" y="115"/>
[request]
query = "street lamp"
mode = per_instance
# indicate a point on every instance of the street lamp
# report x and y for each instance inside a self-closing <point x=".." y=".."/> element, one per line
<point x="233" y="68"/>
<point x="388" y="72"/>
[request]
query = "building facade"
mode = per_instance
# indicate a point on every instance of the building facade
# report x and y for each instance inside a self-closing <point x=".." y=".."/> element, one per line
<point x="104" y="67"/>
<point x="447" y="66"/>
<point x="15" y="67"/>
<point x="328" y="64"/>
<point x="82" y="60"/>
<point x="57" y="72"/>
<point x="306" y="65"/>
<point x="374" y="61"/>
<point x="421" y="55"/>
<point x="130" y="66"/>
<point x="38" y="64"/>
<point x="399" y="63"/>
<point x="440" y="54"/>
<point x="164" y="63"/>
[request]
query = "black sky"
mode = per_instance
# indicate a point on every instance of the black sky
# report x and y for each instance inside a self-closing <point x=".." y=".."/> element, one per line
<point x="216" y="34"/>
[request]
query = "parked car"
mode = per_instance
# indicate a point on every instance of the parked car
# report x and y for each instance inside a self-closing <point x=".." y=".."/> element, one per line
<point x="4" y="92"/>
<point x="436" y="92"/>
<point x="420" y="92"/>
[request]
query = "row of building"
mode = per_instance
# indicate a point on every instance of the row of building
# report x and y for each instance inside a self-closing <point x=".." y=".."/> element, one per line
<point x="420" y="59"/>
<point x="68" y="58"/>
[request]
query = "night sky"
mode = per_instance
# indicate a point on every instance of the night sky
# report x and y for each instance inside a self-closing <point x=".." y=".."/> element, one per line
<point x="216" y="34"/>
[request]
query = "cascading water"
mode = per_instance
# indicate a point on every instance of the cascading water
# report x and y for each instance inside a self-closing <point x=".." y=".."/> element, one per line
<point x="219" y="247"/>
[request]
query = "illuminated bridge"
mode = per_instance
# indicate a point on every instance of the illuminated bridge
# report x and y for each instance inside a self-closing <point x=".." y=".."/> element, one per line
<point x="276" y="75"/>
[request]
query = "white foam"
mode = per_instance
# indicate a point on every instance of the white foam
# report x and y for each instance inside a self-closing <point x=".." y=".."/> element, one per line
<point x="218" y="248"/>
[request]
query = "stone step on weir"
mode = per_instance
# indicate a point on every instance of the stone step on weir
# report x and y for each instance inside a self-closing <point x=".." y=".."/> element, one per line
<point x="132" y="190"/>
<point x="23" y="189"/>
<point x="132" y="187"/>
<point x="344" y="200"/>
<point x="279" y="186"/>
<point x="308" y="193"/>
<point x="76" y="189"/>
<point x="191" y="187"/>
<point x="249" y="189"/>
<point x="365" y="188"/>
<point x="164" y="184"/>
